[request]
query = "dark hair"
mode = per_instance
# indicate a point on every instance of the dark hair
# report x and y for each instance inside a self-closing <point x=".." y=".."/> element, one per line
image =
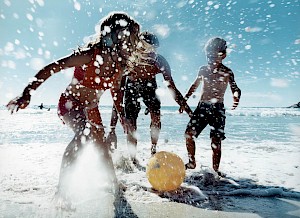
<point x="118" y="20"/>
<point x="214" y="46"/>
<point x="150" y="38"/>
<point x="114" y="21"/>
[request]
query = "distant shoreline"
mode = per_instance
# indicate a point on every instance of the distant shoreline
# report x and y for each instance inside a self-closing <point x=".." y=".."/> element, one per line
<point x="166" y="106"/>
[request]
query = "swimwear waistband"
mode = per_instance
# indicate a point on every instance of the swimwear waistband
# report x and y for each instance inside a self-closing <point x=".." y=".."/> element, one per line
<point x="213" y="105"/>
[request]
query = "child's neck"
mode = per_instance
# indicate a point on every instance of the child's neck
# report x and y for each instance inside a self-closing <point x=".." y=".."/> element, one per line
<point x="215" y="64"/>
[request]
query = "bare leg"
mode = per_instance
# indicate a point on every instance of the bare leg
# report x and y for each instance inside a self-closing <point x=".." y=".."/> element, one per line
<point x="155" y="127"/>
<point x="103" y="147"/>
<point x="132" y="140"/>
<point x="98" y="136"/>
<point x="216" y="156"/>
<point x="76" y="121"/>
<point x="191" y="148"/>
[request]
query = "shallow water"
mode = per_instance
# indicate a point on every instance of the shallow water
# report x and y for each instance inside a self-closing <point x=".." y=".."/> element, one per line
<point x="260" y="158"/>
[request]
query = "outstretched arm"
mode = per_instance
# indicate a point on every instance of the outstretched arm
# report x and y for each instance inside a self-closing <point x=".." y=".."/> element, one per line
<point x="194" y="85"/>
<point x="193" y="88"/>
<point x="76" y="59"/>
<point x="165" y="69"/>
<point x="235" y="91"/>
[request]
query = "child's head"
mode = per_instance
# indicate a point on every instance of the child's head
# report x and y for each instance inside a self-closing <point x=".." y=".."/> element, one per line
<point x="117" y="29"/>
<point x="150" y="38"/>
<point x="119" y="20"/>
<point x="215" y="49"/>
<point x="148" y="42"/>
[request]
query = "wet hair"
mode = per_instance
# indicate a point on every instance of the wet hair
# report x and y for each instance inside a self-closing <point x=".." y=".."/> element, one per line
<point x="116" y="21"/>
<point x="150" y="38"/>
<point x="215" y="47"/>
<point x="109" y="24"/>
<point x="144" y="55"/>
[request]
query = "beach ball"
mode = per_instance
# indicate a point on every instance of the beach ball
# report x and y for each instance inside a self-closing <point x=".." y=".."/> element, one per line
<point x="165" y="171"/>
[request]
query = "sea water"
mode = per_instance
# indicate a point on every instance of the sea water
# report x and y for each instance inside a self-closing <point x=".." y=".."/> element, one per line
<point x="260" y="157"/>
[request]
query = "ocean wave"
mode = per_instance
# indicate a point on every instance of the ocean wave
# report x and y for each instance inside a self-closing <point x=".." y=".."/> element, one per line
<point x="250" y="112"/>
<point x="264" y="112"/>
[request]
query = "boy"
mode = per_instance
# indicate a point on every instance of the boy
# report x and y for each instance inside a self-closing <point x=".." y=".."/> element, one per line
<point x="141" y="83"/>
<point x="210" y="110"/>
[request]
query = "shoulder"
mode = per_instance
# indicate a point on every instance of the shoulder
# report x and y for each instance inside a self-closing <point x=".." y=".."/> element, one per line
<point x="77" y="58"/>
<point x="203" y="69"/>
<point x="161" y="62"/>
<point x="161" y="59"/>
<point x="226" y="69"/>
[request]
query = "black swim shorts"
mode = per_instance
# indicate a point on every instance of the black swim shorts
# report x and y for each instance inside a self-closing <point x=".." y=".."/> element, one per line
<point x="208" y="113"/>
<point x="135" y="92"/>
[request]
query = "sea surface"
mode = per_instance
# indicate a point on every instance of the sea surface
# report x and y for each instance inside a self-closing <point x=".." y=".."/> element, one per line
<point x="260" y="157"/>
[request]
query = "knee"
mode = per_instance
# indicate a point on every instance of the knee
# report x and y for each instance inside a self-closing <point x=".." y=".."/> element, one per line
<point x="189" y="135"/>
<point x="216" y="143"/>
<point x="155" y="124"/>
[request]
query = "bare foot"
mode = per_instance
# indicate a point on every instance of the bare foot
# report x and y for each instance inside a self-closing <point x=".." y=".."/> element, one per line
<point x="190" y="165"/>
<point x="220" y="173"/>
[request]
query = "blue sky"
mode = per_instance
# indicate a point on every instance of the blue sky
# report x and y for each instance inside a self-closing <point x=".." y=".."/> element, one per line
<point x="263" y="39"/>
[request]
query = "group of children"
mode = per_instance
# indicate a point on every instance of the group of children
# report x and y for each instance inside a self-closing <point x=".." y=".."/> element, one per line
<point x="125" y="61"/>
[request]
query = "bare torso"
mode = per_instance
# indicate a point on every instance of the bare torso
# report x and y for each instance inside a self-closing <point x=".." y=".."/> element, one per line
<point x="215" y="81"/>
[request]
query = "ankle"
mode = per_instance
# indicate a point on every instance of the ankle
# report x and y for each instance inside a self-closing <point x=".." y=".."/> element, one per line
<point x="190" y="165"/>
<point x="192" y="159"/>
<point x="153" y="149"/>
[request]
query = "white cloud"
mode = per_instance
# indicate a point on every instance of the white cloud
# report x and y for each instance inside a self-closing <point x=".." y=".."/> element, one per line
<point x="9" y="47"/>
<point x="259" y="99"/>
<point x="260" y="95"/>
<point x="253" y="29"/>
<point x="37" y="63"/>
<point x="77" y="5"/>
<point x="9" y="64"/>
<point x="162" y="29"/>
<point x="280" y="83"/>
<point x="180" y="57"/>
<point x="181" y="4"/>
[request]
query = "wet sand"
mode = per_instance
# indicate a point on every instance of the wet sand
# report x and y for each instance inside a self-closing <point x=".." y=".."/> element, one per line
<point x="244" y="207"/>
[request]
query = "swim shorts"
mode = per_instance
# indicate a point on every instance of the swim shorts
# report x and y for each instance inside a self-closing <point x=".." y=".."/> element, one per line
<point x="208" y="114"/>
<point x="136" y="91"/>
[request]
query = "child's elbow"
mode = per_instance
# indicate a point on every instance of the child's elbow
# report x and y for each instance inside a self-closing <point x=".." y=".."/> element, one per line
<point x="237" y="93"/>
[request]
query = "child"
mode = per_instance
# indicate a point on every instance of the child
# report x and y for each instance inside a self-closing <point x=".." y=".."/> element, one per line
<point x="141" y="83"/>
<point x="98" y="67"/>
<point x="210" y="110"/>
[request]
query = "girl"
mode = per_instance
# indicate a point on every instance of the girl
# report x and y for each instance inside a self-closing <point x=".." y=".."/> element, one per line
<point x="98" y="67"/>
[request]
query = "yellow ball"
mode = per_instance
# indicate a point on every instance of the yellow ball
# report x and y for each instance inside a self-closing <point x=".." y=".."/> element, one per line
<point x="165" y="171"/>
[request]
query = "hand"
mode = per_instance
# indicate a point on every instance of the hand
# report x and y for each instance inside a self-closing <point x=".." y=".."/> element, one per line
<point x="187" y="109"/>
<point x="18" y="102"/>
<point x="235" y="103"/>
<point x="112" y="139"/>
<point x="181" y="109"/>
<point x="126" y="124"/>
